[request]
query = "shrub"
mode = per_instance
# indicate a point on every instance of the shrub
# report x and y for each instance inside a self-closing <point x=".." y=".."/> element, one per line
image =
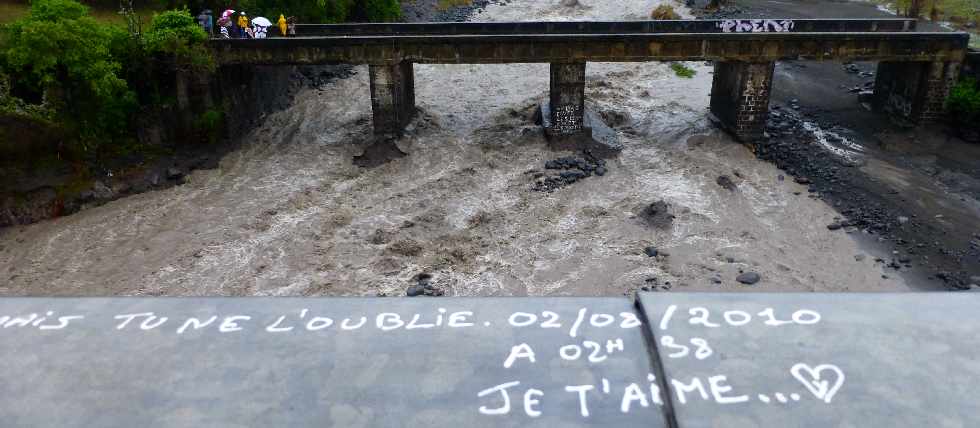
<point x="380" y="10"/>
<point x="209" y="125"/>
<point x="664" y="11"/>
<point x="682" y="70"/>
<point x="175" y="33"/>
<point x="964" y="105"/>
<point x="60" y="58"/>
<point x="308" y="11"/>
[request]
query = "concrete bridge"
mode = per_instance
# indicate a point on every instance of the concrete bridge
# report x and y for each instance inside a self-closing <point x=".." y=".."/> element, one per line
<point x="915" y="72"/>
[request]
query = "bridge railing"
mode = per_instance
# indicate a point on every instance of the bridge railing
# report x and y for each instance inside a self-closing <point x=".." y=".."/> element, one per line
<point x="611" y="27"/>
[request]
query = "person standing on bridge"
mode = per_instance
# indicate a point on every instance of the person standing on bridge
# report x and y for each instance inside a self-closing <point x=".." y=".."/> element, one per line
<point x="210" y="23"/>
<point x="202" y="20"/>
<point x="291" y="26"/>
<point x="225" y="24"/>
<point x="282" y="25"/>
<point x="242" y="25"/>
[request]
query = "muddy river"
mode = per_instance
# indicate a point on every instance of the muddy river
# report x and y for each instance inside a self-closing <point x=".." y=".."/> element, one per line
<point x="289" y="214"/>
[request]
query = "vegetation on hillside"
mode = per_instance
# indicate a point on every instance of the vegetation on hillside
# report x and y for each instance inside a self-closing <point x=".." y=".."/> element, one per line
<point x="61" y="66"/>
<point x="64" y="66"/>
<point x="664" y="11"/>
<point x="90" y="78"/>
<point x="176" y="35"/>
<point x="964" y="106"/>
<point x="959" y="11"/>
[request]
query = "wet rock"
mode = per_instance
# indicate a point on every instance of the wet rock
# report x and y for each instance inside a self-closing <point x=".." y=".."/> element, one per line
<point x="36" y="205"/>
<point x="381" y="236"/>
<point x="379" y="152"/>
<point x="716" y="280"/>
<point x="657" y="214"/>
<point x="174" y="173"/>
<point x="748" y="278"/>
<point x="433" y="291"/>
<point x="859" y="258"/>
<point x="726" y="182"/>
<point x="572" y="169"/>
<point x="101" y="191"/>
<point x="834" y="226"/>
<point x="801" y="180"/>
<point x="424" y="287"/>
<point x="651" y="251"/>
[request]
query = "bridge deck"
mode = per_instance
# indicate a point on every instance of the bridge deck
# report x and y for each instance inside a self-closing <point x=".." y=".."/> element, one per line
<point x="625" y="47"/>
<point x="608" y="27"/>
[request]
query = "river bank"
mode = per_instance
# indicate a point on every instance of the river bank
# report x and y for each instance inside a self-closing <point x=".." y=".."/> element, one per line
<point x="913" y="192"/>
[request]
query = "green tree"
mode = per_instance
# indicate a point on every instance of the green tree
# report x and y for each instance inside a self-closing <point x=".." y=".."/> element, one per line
<point x="380" y="10"/>
<point x="308" y="11"/>
<point x="964" y="105"/>
<point x="326" y="11"/>
<point x="176" y="35"/>
<point x="60" y="57"/>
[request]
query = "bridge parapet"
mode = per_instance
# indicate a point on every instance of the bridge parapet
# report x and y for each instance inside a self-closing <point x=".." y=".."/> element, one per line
<point x="684" y="360"/>
<point x="610" y="27"/>
<point x="547" y="48"/>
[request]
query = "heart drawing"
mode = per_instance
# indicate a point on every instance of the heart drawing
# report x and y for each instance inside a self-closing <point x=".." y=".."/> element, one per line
<point x="813" y="379"/>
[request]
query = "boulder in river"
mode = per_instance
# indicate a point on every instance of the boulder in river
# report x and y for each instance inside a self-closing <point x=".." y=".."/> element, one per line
<point x="748" y="278"/>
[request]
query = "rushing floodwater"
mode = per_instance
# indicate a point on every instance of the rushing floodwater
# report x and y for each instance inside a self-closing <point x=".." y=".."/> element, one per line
<point x="288" y="214"/>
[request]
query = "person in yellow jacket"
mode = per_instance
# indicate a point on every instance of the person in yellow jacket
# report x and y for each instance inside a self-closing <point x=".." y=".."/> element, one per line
<point x="282" y="25"/>
<point x="242" y="24"/>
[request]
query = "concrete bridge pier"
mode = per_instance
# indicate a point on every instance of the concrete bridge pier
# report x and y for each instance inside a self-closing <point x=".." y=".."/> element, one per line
<point x="567" y="108"/>
<point x="740" y="97"/>
<point x="392" y="97"/>
<point x="914" y="90"/>
<point x="567" y="124"/>
<point x="392" y="107"/>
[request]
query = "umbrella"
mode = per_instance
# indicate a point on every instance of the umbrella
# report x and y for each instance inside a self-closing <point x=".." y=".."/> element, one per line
<point x="261" y="22"/>
<point x="227" y="13"/>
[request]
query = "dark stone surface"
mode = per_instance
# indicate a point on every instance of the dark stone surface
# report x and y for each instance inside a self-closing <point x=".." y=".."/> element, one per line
<point x="657" y="214"/>
<point x="565" y="171"/>
<point x="596" y="137"/>
<point x="91" y="374"/>
<point x="748" y="278"/>
<point x="907" y="359"/>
